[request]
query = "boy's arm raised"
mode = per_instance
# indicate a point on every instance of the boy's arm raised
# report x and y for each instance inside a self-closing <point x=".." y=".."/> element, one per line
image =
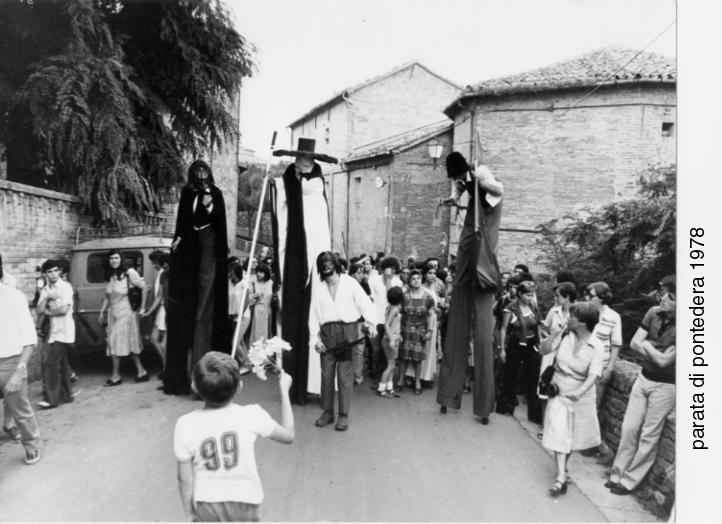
<point x="185" y="486"/>
<point x="285" y="432"/>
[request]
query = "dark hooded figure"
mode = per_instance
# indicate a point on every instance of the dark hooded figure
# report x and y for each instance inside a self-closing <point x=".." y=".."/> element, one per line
<point x="197" y="309"/>
<point x="301" y="230"/>
<point x="476" y="280"/>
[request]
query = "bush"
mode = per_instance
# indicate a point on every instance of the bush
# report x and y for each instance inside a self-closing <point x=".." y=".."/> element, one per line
<point x="630" y="245"/>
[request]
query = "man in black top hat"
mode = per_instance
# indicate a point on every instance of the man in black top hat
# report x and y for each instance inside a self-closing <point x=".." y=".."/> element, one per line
<point x="301" y="231"/>
<point x="197" y="309"/>
<point x="476" y="281"/>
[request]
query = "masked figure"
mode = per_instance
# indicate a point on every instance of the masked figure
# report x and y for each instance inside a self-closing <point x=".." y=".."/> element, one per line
<point x="197" y="309"/>
<point x="301" y="231"/>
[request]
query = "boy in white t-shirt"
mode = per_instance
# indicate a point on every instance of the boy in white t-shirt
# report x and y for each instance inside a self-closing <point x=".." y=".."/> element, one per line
<point x="217" y="474"/>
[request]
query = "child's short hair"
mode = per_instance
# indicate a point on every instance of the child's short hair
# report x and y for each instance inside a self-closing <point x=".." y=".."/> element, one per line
<point x="216" y="378"/>
<point x="395" y="295"/>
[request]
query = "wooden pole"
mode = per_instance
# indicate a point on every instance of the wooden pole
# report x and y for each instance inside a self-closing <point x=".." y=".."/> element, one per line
<point x="253" y="246"/>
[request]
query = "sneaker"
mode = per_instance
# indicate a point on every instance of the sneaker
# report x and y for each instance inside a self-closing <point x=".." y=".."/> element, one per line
<point x="44" y="405"/>
<point x="32" y="457"/>
<point x="245" y="370"/>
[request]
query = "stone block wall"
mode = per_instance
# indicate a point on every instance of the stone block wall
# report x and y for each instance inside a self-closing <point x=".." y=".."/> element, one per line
<point x="657" y="490"/>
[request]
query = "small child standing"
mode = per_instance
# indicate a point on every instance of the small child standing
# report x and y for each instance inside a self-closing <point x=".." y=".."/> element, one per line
<point x="391" y="341"/>
<point x="217" y="475"/>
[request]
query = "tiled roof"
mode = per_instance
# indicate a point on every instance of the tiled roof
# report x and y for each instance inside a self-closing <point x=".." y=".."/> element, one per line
<point x="348" y="91"/>
<point x="588" y="70"/>
<point x="397" y="143"/>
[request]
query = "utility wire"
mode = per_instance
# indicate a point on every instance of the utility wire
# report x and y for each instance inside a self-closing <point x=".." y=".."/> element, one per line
<point x="585" y="97"/>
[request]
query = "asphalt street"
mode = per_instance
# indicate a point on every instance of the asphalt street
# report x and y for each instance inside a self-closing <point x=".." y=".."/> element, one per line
<point x="109" y="457"/>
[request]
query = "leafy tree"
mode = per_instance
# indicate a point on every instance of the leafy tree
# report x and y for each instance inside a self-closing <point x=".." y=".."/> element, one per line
<point x="249" y="193"/>
<point x="630" y="245"/>
<point x="110" y="98"/>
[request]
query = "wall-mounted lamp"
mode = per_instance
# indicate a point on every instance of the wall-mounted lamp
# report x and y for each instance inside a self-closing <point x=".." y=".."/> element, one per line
<point x="435" y="150"/>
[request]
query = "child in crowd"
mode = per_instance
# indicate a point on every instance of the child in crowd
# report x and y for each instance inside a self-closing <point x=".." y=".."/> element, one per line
<point x="217" y="474"/>
<point x="391" y="341"/>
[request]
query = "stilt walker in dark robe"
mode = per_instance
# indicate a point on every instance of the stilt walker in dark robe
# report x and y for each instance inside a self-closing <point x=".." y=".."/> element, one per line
<point x="197" y="312"/>
<point x="301" y="231"/>
<point x="476" y="280"/>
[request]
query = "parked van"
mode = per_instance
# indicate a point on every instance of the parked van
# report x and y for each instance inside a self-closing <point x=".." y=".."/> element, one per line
<point x="86" y="277"/>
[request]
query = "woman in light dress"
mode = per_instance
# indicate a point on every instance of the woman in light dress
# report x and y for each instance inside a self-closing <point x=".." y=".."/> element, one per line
<point x="123" y="326"/>
<point x="570" y="421"/>
<point x="261" y="294"/>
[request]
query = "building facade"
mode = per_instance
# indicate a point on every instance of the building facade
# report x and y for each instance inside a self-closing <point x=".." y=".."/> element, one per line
<point x="591" y="150"/>
<point x="391" y="203"/>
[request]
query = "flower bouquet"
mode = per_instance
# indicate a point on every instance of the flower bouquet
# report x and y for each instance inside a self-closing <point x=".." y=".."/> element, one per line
<point x="265" y="354"/>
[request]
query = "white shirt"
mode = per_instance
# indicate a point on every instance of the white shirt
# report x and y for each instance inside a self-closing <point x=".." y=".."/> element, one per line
<point x="9" y="280"/>
<point x="209" y="209"/>
<point x="378" y="294"/>
<point x="220" y="442"/>
<point x="62" y="328"/>
<point x="235" y="305"/>
<point x="16" y="323"/>
<point x="350" y="304"/>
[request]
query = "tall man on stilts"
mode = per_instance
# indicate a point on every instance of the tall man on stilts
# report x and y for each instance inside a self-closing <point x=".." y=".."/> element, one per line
<point x="301" y="231"/>
<point x="476" y="280"/>
<point x="197" y="312"/>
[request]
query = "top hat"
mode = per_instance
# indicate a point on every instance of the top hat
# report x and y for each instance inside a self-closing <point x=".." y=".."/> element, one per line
<point x="307" y="147"/>
<point x="456" y="164"/>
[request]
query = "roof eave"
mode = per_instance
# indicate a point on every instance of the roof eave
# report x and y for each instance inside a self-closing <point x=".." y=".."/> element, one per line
<point x="331" y="101"/>
<point x="454" y="107"/>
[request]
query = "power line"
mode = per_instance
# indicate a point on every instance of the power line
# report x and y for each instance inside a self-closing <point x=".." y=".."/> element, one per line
<point x="585" y="97"/>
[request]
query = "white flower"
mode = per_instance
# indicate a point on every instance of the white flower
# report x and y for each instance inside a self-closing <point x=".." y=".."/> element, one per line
<point x="266" y="352"/>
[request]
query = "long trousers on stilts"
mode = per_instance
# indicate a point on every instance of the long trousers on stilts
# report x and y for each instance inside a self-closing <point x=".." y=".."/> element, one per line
<point x="471" y="306"/>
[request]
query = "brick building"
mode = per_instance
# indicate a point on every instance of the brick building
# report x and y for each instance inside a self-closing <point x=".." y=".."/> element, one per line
<point x="357" y="119"/>
<point x="391" y="201"/>
<point x="406" y="97"/>
<point x="591" y="155"/>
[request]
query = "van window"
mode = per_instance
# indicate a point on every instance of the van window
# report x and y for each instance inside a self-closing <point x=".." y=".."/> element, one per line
<point x="96" y="263"/>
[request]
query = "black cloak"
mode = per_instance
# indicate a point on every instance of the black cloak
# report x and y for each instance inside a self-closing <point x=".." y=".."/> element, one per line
<point x="296" y="289"/>
<point x="183" y="289"/>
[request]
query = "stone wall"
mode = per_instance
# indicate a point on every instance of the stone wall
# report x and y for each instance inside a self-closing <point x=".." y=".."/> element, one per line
<point x="657" y="490"/>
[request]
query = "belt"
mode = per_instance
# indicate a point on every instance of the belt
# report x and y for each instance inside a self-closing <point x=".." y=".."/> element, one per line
<point x="664" y="378"/>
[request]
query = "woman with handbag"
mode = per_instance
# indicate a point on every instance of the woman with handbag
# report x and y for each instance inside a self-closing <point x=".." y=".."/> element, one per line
<point x="570" y="422"/>
<point x="521" y="320"/>
<point x="125" y="300"/>
<point x="565" y="295"/>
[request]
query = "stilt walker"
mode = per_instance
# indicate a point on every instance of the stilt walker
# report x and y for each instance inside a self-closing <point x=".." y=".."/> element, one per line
<point x="476" y="280"/>
<point x="301" y="231"/>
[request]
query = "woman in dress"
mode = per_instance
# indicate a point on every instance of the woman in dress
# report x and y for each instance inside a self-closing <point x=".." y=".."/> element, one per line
<point x="123" y="326"/>
<point x="262" y="292"/>
<point x="522" y="320"/>
<point x="570" y="422"/>
<point x="565" y="295"/>
<point x="430" y="285"/>
<point x="417" y="313"/>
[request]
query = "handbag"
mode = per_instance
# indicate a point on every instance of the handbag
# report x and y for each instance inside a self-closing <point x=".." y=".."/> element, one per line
<point x="135" y="295"/>
<point x="487" y="265"/>
<point x="546" y="386"/>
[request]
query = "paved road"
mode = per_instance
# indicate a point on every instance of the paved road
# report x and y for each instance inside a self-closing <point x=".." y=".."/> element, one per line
<point x="109" y="457"/>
